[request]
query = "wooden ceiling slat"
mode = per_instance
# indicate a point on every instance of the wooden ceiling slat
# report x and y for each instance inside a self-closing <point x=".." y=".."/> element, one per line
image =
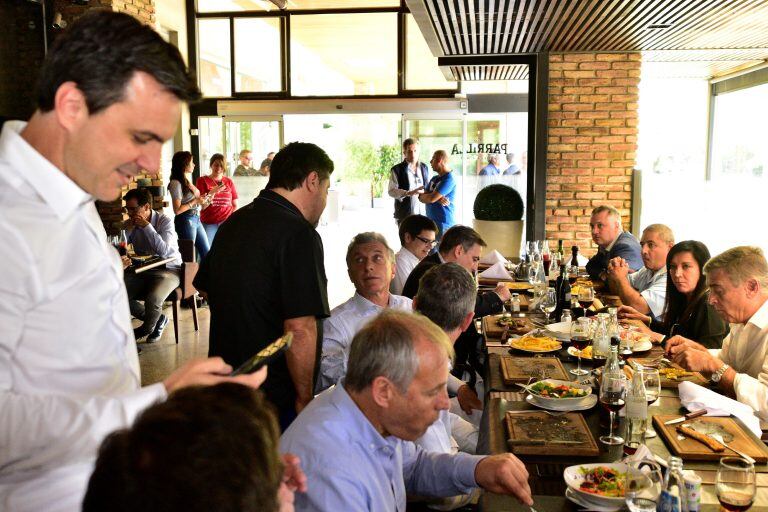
<point x="523" y="18"/>
<point x="537" y="20"/>
<point x="455" y="36"/>
<point x="497" y="29"/>
<point x="481" y="18"/>
<point x="472" y="28"/>
<point x="570" y="25"/>
<point x="559" y="22"/>
<point x="519" y="13"/>
<point x="544" y="25"/>
<point x="631" y="17"/>
<point x="503" y="45"/>
<point x="596" y="7"/>
<point x="464" y="29"/>
<point x="441" y="32"/>
<point x="635" y="30"/>
<point x="446" y="23"/>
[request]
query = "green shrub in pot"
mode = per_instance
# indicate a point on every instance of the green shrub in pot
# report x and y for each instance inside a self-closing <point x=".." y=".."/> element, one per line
<point x="498" y="202"/>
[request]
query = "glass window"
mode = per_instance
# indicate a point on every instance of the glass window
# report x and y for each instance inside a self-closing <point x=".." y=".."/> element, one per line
<point x="257" y="55"/>
<point x="291" y="5"/>
<point x="494" y="87"/>
<point x="214" y="61"/>
<point x="344" y="54"/>
<point x="421" y="70"/>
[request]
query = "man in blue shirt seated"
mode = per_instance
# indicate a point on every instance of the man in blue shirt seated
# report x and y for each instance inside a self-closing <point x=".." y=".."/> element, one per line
<point x="353" y="440"/>
<point x="440" y="194"/>
<point x="612" y="242"/>
<point x="150" y="233"/>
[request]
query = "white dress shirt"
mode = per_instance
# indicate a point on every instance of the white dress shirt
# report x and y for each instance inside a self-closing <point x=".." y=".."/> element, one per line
<point x="405" y="262"/>
<point x="339" y="329"/>
<point x="652" y="287"/>
<point x="746" y="350"/>
<point x="69" y="371"/>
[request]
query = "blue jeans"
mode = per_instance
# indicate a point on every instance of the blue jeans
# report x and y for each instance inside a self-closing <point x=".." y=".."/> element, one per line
<point x="189" y="227"/>
<point x="210" y="231"/>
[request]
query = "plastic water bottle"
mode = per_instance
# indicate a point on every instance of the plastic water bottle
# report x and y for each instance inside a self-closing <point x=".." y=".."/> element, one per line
<point x="673" y="498"/>
<point x="636" y="414"/>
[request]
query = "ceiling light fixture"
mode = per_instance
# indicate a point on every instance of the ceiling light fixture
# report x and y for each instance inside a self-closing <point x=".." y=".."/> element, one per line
<point x="659" y="26"/>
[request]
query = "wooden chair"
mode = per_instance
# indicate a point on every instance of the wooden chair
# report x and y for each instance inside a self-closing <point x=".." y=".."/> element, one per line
<point x="185" y="290"/>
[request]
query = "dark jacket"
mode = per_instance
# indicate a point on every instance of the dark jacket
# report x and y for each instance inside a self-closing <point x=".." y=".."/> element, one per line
<point x="704" y="325"/>
<point x="626" y="246"/>
<point x="403" y="206"/>
<point x="486" y="303"/>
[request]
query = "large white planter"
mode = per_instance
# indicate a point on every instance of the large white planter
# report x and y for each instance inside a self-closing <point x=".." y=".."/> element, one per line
<point x="503" y="235"/>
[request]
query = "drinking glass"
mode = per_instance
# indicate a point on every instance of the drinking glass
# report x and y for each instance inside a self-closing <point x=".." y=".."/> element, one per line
<point x="652" y="383"/>
<point x="548" y="302"/>
<point x="643" y="486"/>
<point x="586" y="297"/>
<point x="533" y="274"/>
<point x="613" y="388"/>
<point x="581" y="337"/>
<point x="735" y="484"/>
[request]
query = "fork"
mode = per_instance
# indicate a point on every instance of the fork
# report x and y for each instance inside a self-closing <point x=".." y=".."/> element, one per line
<point x="719" y="439"/>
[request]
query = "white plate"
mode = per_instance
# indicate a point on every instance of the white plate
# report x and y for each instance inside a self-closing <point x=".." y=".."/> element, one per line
<point x="555" y="383"/>
<point x="560" y="330"/>
<point x="642" y="345"/>
<point x="573" y="479"/>
<point x="585" y="403"/>
<point x="588" y="505"/>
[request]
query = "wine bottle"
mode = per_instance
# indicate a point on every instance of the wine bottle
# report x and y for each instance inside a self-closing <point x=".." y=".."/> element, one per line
<point x="575" y="256"/>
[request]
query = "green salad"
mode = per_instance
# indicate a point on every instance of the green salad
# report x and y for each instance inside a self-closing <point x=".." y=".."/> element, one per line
<point x="603" y="481"/>
<point x="547" y="390"/>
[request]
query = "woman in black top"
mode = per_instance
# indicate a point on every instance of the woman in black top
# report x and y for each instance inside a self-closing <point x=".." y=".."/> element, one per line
<point x="686" y="311"/>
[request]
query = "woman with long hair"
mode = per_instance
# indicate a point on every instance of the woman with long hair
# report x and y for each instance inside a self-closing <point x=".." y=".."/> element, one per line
<point x="187" y="202"/>
<point x="686" y="310"/>
<point x="224" y="196"/>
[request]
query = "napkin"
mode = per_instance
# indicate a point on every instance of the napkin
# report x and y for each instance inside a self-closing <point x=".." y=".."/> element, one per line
<point x="695" y="397"/>
<point x="493" y="257"/>
<point x="496" y="271"/>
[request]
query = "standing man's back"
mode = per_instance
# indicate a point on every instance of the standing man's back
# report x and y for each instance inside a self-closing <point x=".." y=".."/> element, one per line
<point x="265" y="276"/>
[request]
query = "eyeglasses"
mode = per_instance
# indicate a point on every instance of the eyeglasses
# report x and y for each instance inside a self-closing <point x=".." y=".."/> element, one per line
<point x="427" y="241"/>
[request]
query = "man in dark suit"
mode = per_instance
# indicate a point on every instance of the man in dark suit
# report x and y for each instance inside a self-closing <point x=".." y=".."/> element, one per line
<point x="407" y="180"/>
<point x="612" y="242"/>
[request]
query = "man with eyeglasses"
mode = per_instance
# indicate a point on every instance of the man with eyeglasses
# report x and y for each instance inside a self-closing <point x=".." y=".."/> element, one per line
<point x="440" y="194"/>
<point x="151" y="233"/>
<point x="417" y="239"/>
<point x="245" y="168"/>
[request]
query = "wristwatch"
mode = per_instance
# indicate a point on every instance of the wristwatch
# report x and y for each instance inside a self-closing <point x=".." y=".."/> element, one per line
<point x="715" y="378"/>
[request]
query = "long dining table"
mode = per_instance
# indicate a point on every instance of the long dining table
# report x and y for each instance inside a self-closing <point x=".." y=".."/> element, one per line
<point x="546" y="471"/>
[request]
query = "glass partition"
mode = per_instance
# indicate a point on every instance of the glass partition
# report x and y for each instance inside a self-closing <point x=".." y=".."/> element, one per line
<point x="258" y="57"/>
<point x="214" y="61"/>
<point x="421" y="70"/>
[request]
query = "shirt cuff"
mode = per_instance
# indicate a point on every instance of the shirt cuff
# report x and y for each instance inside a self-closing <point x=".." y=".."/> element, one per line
<point x="454" y="383"/>
<point x="464" y="471"/>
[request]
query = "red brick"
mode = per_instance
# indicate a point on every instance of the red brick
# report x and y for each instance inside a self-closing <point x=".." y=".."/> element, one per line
<point x="622" y="131"/>
<point x="595" y="65"/>
<point x="610" y="106"/>
<point x="555" y="57"/>
<point x="623" y="147"/>
<point x="625" y="114"/>
<point x="624" y="81"/>
<point x="594" y="163"/>
<point x="619" y="195"/>
<point x="610" y="57"/>
<point x="579" y="57"/>
<point x="625" y="65"/>
<point x="609" y="139"/>
<point x="577" y="122"/>
<point x="594" y="98"/>
<point x="624" y="98"/>
<point x="594" y="115"/>
<point x="576" y="187"/>
<point x="577" y="107"/>
<point x="596" y="82"/>
<point x="578" y="90"/>
<point x="564" y="131"/>
<point x="610" y="155"/>
<point x="562" y="147"/>
<point x="590" y="195"/>
<point x="592" y="130"/>
<point x="591" y="147"/>
<point x="581" y="139"/>
<point x="608" y="172"/>
<point x="564" y="66"/>
<point x="611" y="90"/>
<point x="608" y="188"/>
<point x="610" y="123"/>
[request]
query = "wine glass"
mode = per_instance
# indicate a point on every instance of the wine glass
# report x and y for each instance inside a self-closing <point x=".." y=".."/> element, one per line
<point x="533" y="274"/>
<point x="735" y="483"/>
<point x="643" y="486"/>
<point x="613" y="388"/>
<point x="581" y="337"/>
<point x="548" y="302"/>
<point x="586" y="297"/>
<point x="652" y="383"/>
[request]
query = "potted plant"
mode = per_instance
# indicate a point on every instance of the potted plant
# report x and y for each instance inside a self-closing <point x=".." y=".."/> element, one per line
<point x="498" y="218"/>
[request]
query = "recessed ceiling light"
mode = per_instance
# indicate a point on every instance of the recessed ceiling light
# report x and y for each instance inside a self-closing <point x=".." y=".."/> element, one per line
<point x="657" y="26"/>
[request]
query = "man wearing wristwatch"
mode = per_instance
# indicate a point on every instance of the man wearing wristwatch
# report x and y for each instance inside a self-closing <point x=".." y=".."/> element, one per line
<point x="738" y="282"/>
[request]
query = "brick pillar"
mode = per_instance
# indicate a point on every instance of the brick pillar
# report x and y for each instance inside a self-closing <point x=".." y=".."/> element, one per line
<point x="593" y="100"/>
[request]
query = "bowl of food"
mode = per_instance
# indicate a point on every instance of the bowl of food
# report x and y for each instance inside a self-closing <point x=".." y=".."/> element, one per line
<point x="549" y="391"/>
<point x="535" y="343"/>
<point x="601" y="484"/>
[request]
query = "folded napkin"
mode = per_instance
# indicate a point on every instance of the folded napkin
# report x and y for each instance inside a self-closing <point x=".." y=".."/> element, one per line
<point x="695" y="397"/>
<point x="496" y="271"/>
<point x="493" y="257"/>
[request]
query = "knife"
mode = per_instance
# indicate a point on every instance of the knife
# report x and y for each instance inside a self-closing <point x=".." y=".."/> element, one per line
<point x="689" y="416"/>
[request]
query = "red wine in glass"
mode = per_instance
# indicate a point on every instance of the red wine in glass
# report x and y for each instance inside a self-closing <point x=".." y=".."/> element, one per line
<point x="580" y="342"/>
<point x="572" y="278"/>
<point x="735" y="501"/>
<point x="651" y="398"/>
<point x="598" y="361"/>
<point x="610" y="403"/>
<point x="547" y="262"/>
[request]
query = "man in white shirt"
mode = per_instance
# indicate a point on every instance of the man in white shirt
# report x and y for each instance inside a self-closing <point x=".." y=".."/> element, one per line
<point x="738" y="284"/>
<point x="110" y="93"/>
<point x="417" y="237"/>
<point x="646" y="289"/>
<point x="150" y="233"/>
<point x="408" y="179"/>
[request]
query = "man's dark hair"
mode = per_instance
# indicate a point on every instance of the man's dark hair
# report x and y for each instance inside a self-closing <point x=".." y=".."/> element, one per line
<point x="446" y="295"/>
<point x="460" y="235"/>
<point x="409" y="142"/>
<point x="101" y="51"/>
<point x="205" y="448"/>
<point x="141" y="195"/>
<point x="414" y="225"/>
<point x="294" y="162"/>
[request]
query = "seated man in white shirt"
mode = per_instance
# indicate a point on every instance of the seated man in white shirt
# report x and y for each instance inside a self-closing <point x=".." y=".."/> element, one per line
<point x="738" y="284"/>
<point x="354" y="440"/>
<point x="150" y="233"/>
<point x="646" y="289"/>
<point x="417" y="238"/>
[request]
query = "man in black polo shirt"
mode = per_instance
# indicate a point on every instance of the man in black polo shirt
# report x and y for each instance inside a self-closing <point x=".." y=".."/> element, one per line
<point x="265" y="276"/>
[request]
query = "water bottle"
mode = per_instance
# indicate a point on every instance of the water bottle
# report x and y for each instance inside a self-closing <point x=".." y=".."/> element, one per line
<point x="673" y="498"/>
<point x="566" y="316"/>
<point x="601" y="341"/>
<point x="515" y="303"/>
<point x="636" y="411"/>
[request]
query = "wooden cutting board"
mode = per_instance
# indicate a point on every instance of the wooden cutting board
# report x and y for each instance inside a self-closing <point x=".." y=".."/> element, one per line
<point x="696" y="378"/>
<point x="492" y="329"/>
<point x="521" y="369"/>
<point x="536" y="432"/>
<point x="690" y="449"/>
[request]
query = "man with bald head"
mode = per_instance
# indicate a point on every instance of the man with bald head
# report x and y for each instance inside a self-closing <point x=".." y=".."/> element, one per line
<point x="440" y="194"/>
<point x="612" y="242"/>
<point x="355" y="440"/>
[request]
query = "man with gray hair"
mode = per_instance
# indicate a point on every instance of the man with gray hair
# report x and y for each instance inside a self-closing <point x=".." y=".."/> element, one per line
<point x="646" y="289"/>
<point x="738" y="284"/>
<point x="371" y="268"/>
<point x="353" y="439"/>
<point x="612" y="242"/>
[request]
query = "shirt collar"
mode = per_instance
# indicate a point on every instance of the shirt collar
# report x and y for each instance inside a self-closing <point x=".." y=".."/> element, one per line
<point x="54" y="187"/>
<point x="610" y="246"/>
<point x="272" y="196"/>
<point x="760" y="318"/>
<point x="360" y="426"/>
<point x="408" y="254"/>
<point x="442" y="260"/>
<point x="363" y="303"/>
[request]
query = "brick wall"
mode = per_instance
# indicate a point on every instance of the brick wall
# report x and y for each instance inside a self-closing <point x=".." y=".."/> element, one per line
<point x="592" y="142"/>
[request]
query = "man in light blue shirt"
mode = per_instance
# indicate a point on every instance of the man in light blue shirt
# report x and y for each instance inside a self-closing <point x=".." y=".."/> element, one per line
<point x="353" y="439"/>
